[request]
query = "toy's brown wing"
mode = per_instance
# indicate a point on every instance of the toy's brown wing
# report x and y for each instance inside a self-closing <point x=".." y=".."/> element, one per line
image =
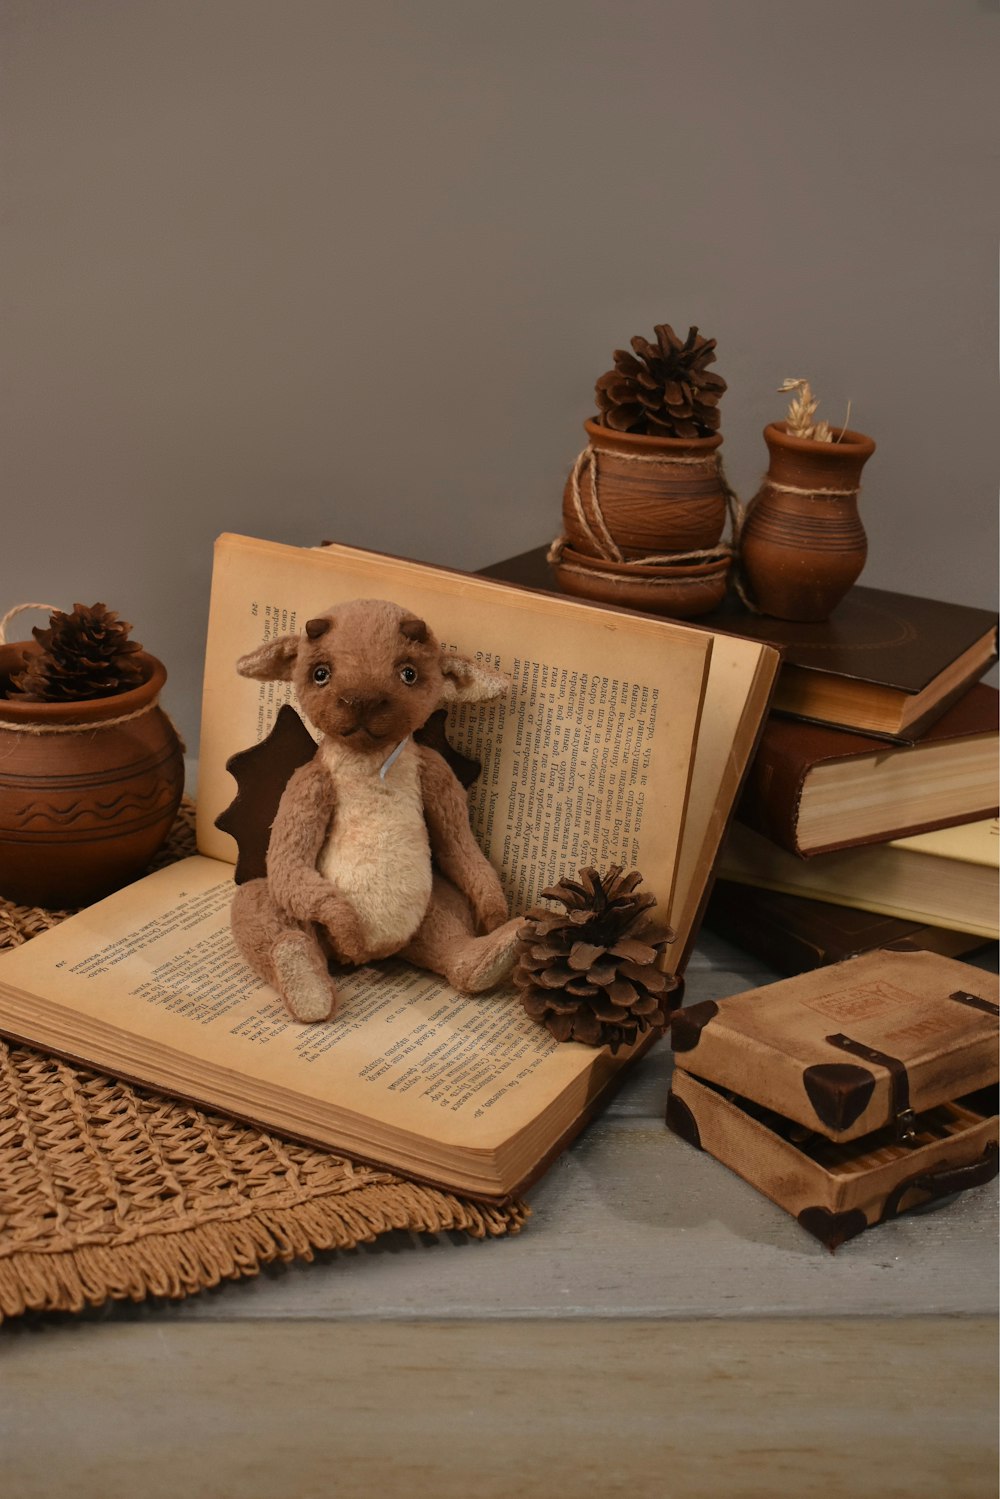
<point x="263" y="771"/>
<point x="261" y="774"/>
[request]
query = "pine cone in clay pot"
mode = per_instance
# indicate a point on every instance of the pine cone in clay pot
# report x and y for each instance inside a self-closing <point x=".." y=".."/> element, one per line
<point x="587" y="973"/>
<point x="92" y="769"/>
<point x="82" y="656"/>
<point x="649" y="484"/>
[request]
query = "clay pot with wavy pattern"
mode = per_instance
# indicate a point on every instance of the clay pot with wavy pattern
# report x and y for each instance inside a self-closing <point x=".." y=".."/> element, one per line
<point x="83" y="812"/>
<point x="803" y="545"/>
<point x="653" y="494"/>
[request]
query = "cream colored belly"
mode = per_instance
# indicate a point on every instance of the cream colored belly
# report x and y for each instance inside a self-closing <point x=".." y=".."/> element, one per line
<point x="378" y="857"/>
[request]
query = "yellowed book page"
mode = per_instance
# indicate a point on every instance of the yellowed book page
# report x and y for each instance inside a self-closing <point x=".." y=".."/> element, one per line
<point x="878" y="877"/>
<point x="970" y="843"/>
<point x="149" y="983"/>
<point x="588" y="759"/>
<point x="741" y="674"/>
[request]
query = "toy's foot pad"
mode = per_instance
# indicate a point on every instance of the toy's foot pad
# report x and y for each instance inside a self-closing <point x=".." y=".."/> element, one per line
<point x="486" y="961"/>
<point x="302" y="979"/>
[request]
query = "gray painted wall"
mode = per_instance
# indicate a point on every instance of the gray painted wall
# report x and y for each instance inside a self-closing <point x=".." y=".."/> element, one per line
<point x="310" y="269"/>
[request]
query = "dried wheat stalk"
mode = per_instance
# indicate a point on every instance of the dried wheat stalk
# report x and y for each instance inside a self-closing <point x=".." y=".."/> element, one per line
<point x="801" y="410"/>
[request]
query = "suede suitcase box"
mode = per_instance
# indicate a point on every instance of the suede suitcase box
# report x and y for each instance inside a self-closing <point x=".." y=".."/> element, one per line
<point x="849" y="1094"/>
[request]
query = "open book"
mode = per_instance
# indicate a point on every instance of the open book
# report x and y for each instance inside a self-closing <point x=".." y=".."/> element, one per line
<point x="624" y="739"/>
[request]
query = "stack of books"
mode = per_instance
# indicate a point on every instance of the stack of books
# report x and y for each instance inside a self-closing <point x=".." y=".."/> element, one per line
<point x="868" y="817"/>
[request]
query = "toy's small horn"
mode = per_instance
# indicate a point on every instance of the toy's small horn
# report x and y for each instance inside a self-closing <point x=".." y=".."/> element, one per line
<point x="317" y="627"/>
<point x="413" y="629"/>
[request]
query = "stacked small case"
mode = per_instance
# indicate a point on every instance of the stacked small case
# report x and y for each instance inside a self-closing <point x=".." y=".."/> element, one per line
<point x="850" y="1094"/>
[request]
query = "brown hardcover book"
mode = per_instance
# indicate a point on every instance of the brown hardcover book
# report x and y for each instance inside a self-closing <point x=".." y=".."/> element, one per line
<point x="848" y="1095"/>
<point x="792" y="934"/>
<point x="813" y="789"/>
<point x="624" y="740"/>
<point x="886" y="664"/>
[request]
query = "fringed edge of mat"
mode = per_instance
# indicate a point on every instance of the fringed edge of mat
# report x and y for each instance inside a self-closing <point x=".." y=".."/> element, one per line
<point x="195" y="1258"/>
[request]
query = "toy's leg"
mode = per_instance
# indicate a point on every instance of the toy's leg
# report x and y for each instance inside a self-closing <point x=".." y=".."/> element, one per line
<point x="282" y="953"/>
<point x="446" y="943"/>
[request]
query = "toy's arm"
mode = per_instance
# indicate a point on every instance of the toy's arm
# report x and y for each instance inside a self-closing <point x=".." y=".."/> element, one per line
<point x="458" y="855"/>
<point x="297" y="835"/>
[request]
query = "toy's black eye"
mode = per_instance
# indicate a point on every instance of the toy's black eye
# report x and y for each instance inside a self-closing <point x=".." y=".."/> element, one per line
<point x="408" y="674"/>
<point x="321" y="675"/>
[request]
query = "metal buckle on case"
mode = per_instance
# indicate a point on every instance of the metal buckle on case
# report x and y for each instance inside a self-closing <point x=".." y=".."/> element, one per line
<point x="905" y="1126"/>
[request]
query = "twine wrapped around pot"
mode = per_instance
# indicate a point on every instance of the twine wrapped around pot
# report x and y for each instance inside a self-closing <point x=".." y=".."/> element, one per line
<point x="630" y="496"/>
<point x="643" y="520"/>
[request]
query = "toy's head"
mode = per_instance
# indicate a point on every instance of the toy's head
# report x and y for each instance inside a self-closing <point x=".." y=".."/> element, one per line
<point x="368" y="673"/>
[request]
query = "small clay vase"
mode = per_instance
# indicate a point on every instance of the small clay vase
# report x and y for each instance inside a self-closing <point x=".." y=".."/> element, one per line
<point x="82" y="813"/>
<point x="803" y="545"/>
<point x="653" y="495"/>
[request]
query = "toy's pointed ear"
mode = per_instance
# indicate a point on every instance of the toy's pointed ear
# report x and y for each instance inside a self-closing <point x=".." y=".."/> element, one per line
<point x="468" y="681"/>
<point x="273" y="662"/>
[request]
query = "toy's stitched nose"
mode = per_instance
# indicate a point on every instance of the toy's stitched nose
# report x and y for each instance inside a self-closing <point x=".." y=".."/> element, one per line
<point x="364" y="707"/>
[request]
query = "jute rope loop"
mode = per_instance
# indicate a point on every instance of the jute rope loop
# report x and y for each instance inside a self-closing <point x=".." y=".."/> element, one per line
<point x="605" y="545"/>
<point x="810" y="494"/>
<point x="708" y="460"/>
<point x="555" y="557"/>
<point x="602" y="540"/>
<point x="80" y="728"/>
<point x="21" y="609"/>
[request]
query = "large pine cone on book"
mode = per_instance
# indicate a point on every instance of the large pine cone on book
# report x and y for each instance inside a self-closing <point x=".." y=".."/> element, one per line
<point x="583" y="972"/>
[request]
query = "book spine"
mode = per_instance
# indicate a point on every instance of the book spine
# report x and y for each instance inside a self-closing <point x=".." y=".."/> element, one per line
<point x="773" y="792"/>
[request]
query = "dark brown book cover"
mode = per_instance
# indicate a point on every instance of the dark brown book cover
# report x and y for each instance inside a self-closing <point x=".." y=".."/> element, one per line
<point x="789" y="750"/>
<point x="874" y="638"/>
<point x="793" y="934"/>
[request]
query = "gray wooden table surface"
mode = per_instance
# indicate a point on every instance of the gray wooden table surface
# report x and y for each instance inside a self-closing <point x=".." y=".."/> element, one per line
<point x="658" y="1328"/>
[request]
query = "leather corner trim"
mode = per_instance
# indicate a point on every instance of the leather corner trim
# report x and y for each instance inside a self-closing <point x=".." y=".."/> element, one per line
<point x="832" y="1229"/>
<point x="681" y="1120"/>
<point x="687" y="1025"/>
<point x="839" y="1092"/>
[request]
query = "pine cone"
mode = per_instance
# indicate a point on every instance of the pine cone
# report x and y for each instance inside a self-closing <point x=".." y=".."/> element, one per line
<point x="580" y="971"/>
<point x="665" y="389"/>
<point x="84" y="655"/>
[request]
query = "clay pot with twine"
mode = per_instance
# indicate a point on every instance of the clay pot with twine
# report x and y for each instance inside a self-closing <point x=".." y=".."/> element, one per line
<point x="642" y="523"/>
<point x="802" y="544"/>
<point x="88" y="790"/>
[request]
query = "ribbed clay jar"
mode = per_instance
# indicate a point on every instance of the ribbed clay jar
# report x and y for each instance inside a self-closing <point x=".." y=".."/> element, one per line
<point x="803" y="545"/>
<point x="654" y="494"/>
<point x="83" y="812"/>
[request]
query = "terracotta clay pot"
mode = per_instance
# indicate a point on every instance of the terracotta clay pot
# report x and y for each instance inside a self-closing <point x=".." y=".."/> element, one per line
<point x="654" y="494"/>
<point x="82" y="813"/>
<point x="803" y="545"/>
<point x="681" y="590"/>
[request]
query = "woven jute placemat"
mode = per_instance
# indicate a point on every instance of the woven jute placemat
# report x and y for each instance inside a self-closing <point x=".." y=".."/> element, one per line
<point x="109" y="1191"/>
